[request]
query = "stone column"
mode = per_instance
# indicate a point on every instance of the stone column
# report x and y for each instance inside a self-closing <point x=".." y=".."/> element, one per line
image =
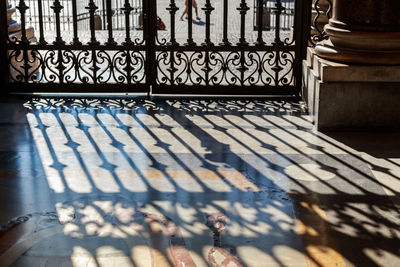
<point x="363" y="32"/>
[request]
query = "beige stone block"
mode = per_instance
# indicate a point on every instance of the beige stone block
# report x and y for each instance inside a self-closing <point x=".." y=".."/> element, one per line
<point x="329" y="71"/>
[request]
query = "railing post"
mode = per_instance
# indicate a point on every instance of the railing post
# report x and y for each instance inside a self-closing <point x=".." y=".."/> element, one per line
<point x="306" y="27"/>
<point x="3" y="49"/>
<point x="302" y="36"/>
<point x="150" y="26"/>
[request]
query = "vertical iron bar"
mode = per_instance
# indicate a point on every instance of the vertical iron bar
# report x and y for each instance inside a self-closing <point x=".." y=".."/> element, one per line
<point x="190" y="41"/>
<point x="208" y="8"/>
<point x="150" y="7"/>
<point x="277" y="42"/>
<point x="302" y="32"/>
<point x="103" y="9"/>
<point x="207" y="69"/>
<point x="172" y="68"/>
<point x="68" y="16"/>
<point x="22" y="7"/>
<point x="118" y="13"/>
<point x="92" y="9"/>
<point x="4" y="68"/>
<point x="128" y="67"/>
<point x="225" y="40"/>
<point x="145" y="26"/>
<point x="57" y="7"/>
<point x="75" y="40"/>
<point x="93" y="42"/>
<point x="127" y="11"/>
<point x="31" y="7"/>
<point x="278" y="12"/>
<point x="260" y="14"/>
<point x="172" y="11"/>
<point x="110" y="24"/>
<point x="243" y="8"/>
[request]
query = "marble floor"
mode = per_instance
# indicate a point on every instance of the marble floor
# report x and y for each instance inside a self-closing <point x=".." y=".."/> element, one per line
<point x="192" y="183"/>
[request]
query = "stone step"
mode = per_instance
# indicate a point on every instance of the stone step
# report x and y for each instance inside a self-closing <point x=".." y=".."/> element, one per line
<point x="15" y="27"/>
<point x="11" y="21"/>
<point x="30" y="34"/>
<point x="10" y="12"/>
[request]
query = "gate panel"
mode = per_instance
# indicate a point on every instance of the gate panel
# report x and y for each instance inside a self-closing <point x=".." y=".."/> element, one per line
<point x="72" y="58"/>
<point x="222" y="54"/>
<point x="72" y="46"/>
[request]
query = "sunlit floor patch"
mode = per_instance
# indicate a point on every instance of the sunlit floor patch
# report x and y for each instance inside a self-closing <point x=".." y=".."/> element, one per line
<point x="78" y="232"/>
<point x="309" y="172"/>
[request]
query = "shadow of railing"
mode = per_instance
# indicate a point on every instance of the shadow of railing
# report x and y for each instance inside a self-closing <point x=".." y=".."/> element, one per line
<point x="185" y="182"/>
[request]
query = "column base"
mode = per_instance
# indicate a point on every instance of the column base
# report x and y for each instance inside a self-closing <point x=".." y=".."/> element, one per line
<point x="342" y="96"/>
<point x="328" y="51"/>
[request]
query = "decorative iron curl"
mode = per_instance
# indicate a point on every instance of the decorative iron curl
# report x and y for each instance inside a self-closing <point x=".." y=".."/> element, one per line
<point x="104" y="60"/>
<point x="15" y="58"/>
<point x="138" y="62"/>
<point x="268" y="61"/>
<point x="181" y="62"/>
<point x="163" y="60"/>
<point x="286" y="60"/>
<point x="197" y="61"/>
<point x="84" y="59"/>
<point x="69" y="59"/>
<point x="252" y="61"/>
<point x="119" y="62"/>
<point x="127" y="67"/>
<point x="321" y="34"/>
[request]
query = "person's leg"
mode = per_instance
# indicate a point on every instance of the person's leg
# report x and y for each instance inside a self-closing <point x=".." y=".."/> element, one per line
<point x="186" y="9"/>
<point x="196" y="10"/>
<point x="184" y="12"/>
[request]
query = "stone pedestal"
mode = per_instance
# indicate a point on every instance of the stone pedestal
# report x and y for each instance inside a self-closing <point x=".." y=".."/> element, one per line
<point x="352" y="80"/>
<point x="346" y="96"/>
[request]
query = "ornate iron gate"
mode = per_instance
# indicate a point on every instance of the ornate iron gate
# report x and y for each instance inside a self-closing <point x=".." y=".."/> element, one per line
<point x="153" y="61"/>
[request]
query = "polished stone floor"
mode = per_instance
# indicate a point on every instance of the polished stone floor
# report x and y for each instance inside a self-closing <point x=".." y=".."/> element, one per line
<point x="192" y="183"/>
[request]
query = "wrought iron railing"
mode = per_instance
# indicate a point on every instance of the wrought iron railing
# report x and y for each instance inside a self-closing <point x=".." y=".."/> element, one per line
<point x="219" y="54"/>
<point x="33" y="17"/>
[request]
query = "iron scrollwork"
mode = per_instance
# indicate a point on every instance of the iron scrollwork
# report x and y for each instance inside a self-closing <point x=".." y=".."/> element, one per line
<point x="322" y="10"/>
<point x="52" y="66"/>
<point x="249" y="62"/>
<point x="223" y="68"/>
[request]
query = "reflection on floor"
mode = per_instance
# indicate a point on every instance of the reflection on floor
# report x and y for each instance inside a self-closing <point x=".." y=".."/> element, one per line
<point x="192" y="183"/>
